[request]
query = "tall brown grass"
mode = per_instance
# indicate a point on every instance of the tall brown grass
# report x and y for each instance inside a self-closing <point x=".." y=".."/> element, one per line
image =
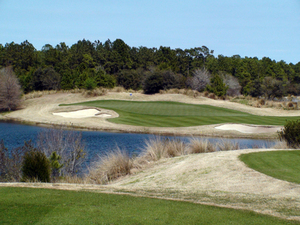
<point x="96" y="92"/>
<point x="196" y="146"/>
<point x="226" y="145"/>
<point x="113" y="165"/>
<point x="158" y="148"/>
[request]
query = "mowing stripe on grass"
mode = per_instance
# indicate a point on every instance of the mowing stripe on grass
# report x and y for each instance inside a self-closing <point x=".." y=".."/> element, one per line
<point x="175" y="114"/>
<point x="46" y="206"/>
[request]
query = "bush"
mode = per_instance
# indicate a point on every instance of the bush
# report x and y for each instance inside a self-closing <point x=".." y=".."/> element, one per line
<point x="11" y="162"/>
<point x="36" y="166"/>
<point x="291" y="133"/>
<point x="154" y="83"/>
<point x="89" y="84"/>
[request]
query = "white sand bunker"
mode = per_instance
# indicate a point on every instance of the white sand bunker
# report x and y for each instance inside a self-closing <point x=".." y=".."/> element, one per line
<point x="248" y="129"/>
<point x="84" y="113"/>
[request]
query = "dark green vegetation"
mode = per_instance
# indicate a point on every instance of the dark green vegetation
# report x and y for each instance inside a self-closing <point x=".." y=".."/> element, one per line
<point x="42" y="206"/>
<point x="87" y="64"/>
<point x="283" y="165"/>
<point x="56" y="155"/>
<point x="175" y="114"/>
<point x="36" y="166"/>
<point x="291" y="134"/>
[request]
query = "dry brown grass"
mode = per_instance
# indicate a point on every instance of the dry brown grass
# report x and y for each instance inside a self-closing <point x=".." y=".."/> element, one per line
<point x="32" y="95"/>
<point x="196" y="146"/>
<point x="94" y="93"/>
<point x="113" y="165"/>
<point x="226" y="145"/>
<point x="118" y="89"/>
<point x="158" y="148"/>
<point x="212" y="96"/>
<point x="71" y="180"/>
<point x="281" y="145"/>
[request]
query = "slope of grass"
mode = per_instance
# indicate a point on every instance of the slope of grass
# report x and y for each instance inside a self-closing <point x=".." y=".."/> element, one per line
<point x="283" y="165"/>
<point x="175" y="114"/>
<point x="43" y="206"/>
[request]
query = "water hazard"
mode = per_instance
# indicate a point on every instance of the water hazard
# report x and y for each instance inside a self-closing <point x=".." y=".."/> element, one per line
<point x="97" y="142"/>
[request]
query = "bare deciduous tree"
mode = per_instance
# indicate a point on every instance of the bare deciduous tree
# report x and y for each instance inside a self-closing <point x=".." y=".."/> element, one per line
<point x="68" y="145"/>
<point x="234" y="87"/>
<point x="10" y="90"/>
<point x="201" y="78"/>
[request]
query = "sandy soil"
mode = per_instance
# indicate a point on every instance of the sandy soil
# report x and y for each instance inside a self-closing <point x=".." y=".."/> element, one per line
<point x="43" y="111"/>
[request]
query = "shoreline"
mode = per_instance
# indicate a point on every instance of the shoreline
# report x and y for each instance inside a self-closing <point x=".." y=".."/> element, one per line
<point x="39" y="112"/>
<point x="146" y="130"/>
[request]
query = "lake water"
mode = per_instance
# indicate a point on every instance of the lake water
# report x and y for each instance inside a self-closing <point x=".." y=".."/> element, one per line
<point x="97" y="142"/>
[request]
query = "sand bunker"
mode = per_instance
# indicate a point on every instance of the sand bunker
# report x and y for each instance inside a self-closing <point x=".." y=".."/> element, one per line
<point x="84" y="113"/>
<point x="248" y="129"/>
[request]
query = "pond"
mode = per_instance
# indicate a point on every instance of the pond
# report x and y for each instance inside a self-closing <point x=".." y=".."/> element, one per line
<point x="97" y="142"/>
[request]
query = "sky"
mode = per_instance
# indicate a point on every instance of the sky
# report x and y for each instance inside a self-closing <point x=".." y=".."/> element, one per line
<point x="252" y="28"/>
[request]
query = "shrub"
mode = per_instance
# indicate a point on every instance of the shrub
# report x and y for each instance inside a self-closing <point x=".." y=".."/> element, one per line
<point x="154" y="83"/>
<point x="291" y="133"/>
<point x="36" y="166"/>
<point x="68" y="145"/>
<point x="11" y="162"/>
<point x="89" y="84"/>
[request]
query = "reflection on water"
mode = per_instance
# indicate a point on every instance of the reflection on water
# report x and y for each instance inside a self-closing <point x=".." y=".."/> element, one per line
<point x="97" y="143"/>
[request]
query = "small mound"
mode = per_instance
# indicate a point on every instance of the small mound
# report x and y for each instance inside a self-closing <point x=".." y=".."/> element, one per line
<point x="84" y="113"/>
<point x="248" y="128"/>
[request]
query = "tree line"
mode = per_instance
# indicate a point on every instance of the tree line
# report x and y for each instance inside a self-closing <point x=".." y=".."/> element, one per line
<point x="88" y="64"/>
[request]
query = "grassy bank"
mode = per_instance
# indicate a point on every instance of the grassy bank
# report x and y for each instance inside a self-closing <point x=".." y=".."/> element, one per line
<point x="43" y="206"/>
<point x="175" y="114"/>
<point x="282" y="165"/>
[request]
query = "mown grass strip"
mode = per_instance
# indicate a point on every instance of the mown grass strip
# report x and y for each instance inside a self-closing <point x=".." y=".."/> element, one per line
<point x="44" y="206"/>
<point x="282" y="165"/>
<point x="175" y="114"/>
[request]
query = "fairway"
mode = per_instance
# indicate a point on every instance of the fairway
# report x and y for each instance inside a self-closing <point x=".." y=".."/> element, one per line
<point x="175" y="114"/>
<point x="282" y="165"/>
<point x="46" y="206"/>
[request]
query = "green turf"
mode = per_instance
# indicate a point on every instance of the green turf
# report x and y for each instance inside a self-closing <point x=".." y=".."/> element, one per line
<point x="283" y="165"/>
<point x="42" y="206"/>
<point x="175" y="114"/>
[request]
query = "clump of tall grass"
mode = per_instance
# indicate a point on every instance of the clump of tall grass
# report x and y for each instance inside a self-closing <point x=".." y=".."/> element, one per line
<point x="71" y="180"/>
<point x="95" y="92"/>
<point x="280" y="145"/>
<point x="157" y="148"/>
<point x="118" y="89"/>
<point x="226" y="145"/>
<point x="34" y="94"/>
<point x="196" y="146"/>
<point x="113" y="165"/>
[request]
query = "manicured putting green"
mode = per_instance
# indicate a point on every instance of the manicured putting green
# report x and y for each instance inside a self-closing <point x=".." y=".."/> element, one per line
<point x="175" y="114"/>
<point x="282" y="165"/>
<point x="42" y="206"/>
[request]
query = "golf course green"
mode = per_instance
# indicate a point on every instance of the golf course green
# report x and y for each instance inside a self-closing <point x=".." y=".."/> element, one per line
<point x="175" y="114"/>
<point x="282" y="165"/>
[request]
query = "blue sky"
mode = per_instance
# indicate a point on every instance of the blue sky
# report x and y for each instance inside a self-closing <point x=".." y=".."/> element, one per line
<point x="253" y="28"/>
